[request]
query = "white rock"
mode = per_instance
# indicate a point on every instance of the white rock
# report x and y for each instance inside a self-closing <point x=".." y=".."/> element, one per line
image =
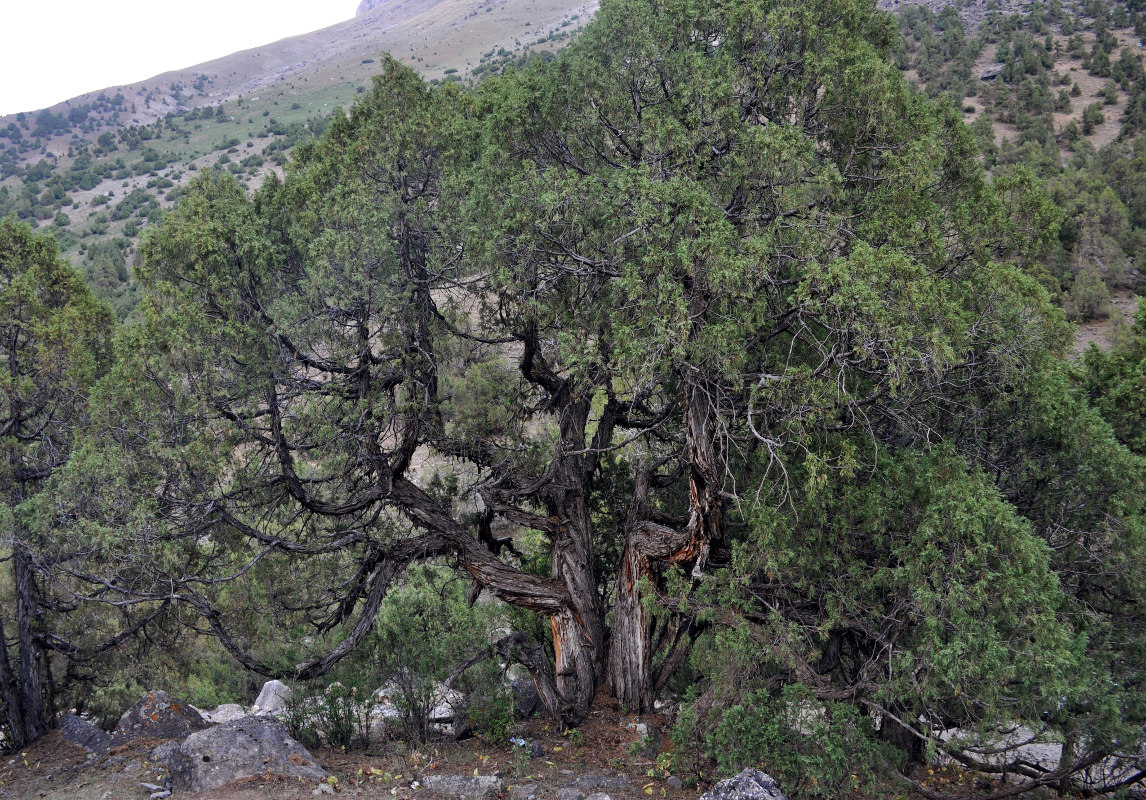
<point x="272" y="698"/>
<point x="225" y="713"/>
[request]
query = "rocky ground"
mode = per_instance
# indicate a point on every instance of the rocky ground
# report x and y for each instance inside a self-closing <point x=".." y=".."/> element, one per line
<point x="609" y="757"/>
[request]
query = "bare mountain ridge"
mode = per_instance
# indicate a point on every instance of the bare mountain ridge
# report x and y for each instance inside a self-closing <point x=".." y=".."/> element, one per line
<point x="432" y="35"/>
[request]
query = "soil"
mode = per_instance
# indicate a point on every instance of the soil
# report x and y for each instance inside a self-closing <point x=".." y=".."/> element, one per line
<point x="1098" y="331"/>
<point x="604" y="745"/>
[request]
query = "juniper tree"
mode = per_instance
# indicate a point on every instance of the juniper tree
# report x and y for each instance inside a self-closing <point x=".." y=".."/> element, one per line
<point x="713" y="259"/>
<point x="55" y="341"/>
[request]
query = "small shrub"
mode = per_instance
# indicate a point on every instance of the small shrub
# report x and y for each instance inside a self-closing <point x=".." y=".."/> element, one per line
<point x="426" y="628"/>
<point x="1089" y="298"/>
<point x="814" y="749"/>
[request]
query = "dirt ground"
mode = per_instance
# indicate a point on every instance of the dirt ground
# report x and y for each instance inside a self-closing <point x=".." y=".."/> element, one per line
<point x="52" y="769"/>
<point x="1098" y="331"/>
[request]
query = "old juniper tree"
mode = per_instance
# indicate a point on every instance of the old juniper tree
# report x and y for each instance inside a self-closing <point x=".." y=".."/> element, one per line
<point x="649" y="302"/>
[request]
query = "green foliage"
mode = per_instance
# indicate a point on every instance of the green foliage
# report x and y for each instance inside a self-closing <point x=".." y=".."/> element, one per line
<point x="1116" y="383"/>
<point x="332" y="714"/>
<point x="812" y="748"/>
<point x="426" y="628"/>
<point x="1088" y="297"/>
<point x="712" y="276"/>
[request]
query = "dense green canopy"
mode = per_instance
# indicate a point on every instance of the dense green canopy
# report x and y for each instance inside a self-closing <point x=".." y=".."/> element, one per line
<point x="715" y="307"/>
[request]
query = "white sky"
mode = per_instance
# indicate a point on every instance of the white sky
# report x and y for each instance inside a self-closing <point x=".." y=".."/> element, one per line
<point x="53" y="51"/>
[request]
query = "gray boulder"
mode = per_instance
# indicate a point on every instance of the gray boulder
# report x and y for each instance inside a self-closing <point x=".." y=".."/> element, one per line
<point x="526" y="699"/>
<point x="272" y="698"/>
<point x="84" y="734"/>
<point x="570" y="793"/>
<point x="992" y="72"/>
<point x="242" y="748"/>
<point x="225" y="713"/>
<point x="751" y="784"/>
<point x="166" y="754"/>
<point x="596" y="783"/>
<point x="159" y="715"/>
<point x="463" y="786"/>
<point x="530" y="791"/>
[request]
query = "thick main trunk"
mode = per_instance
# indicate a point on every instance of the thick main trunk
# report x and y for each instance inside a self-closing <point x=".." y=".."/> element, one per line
<point x="35" y="721"/>
<point x="630" y="659"/>
<point x="20" y="688"/>
<point x="631" y="646"/>
<point x="10" y="694"/>
<point x="579" y="634"/>
<point x="575" y="667"/>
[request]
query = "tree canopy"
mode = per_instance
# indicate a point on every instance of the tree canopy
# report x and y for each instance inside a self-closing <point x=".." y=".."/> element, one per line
<point x="715" y="308"/>
<point x="55" y="342"/>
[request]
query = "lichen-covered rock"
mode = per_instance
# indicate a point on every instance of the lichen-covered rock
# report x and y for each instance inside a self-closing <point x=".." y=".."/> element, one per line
<point x="463" y="786"/>
<point x="242" y="748"/>
<point x="159" y="715"/>
<point x="751" y="784"/>
<point x="84" y="734"/>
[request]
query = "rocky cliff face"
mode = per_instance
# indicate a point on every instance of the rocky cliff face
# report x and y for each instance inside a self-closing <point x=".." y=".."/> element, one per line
<point x="367" y="6"/>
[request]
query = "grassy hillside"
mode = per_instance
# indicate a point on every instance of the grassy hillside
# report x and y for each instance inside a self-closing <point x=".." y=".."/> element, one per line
<point x="100" y="167"/>
<point x="1061" y="91"/>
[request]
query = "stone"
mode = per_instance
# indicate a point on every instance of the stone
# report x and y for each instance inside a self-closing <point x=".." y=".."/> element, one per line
<point x="530" y="791"/>
<point x="569" y="793"/>
<point x="242" y="748"/>
<point x="526" y="699"/>
<point x="471" y="788"/>
<point x="272" y="698"/>
<point x="592" y="783"/>
<point x="164" y="753"/>
<point x="84" y="734"/>
<point x="225" y="713"/>
<point x="598" y="796"/>
<point x="535" y="750"/>
<point x="751" y="784"/>
<point x="158" y="715"/>
<point x="323" y="788"/>
<point x="675" y="783"/>
<point x="992" y="72"/>
<point x="649" y="738"/>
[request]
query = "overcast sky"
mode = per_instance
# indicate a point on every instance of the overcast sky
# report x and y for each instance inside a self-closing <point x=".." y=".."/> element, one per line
<point x="53" y="51"/>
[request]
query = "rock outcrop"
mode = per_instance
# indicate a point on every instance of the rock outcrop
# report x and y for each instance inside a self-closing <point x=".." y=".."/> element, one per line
<point x="159" y="715"/>
<point x="751" y="784"/>
<point x="84" y="734"/>
<point x="242" y="748"/>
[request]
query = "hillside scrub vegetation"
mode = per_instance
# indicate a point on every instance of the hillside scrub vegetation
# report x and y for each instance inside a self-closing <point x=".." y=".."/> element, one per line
<point x="707" y="354"/>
